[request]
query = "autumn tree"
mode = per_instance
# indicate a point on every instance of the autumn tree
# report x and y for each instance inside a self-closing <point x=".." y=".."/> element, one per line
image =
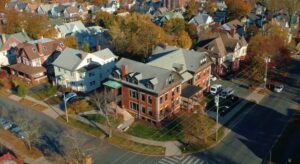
<point x="104" y="19"/>
<point x="192" y="9"/>
<point x="79" y="106"/>
<point x="135" y="36"/>
<point x="174" y="26"/>
<point x="210" y="6"/>
<point x="238" y="8"/>
<point x="184" y="40"/>
<point x="291" y="6"/>
<point x="85" y="47"/>
<point x="272" y="43"/>
<point x="70" y="41"/>
<point x="196" y="127"/>
<point x="98" y="2"/>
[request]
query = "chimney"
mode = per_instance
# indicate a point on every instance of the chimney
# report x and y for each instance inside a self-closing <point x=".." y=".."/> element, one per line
<point x="40" y="47"/>
<point x="3" y="38"/>
<point x="124" y="71"/>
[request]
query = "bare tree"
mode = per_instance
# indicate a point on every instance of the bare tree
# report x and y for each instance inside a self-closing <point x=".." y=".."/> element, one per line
<point x="102" y="101"/>
<point x="31" y="128"/>
<point x="73" y="151"/>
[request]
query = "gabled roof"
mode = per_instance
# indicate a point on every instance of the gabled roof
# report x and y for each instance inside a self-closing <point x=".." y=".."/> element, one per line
<point x="177" y="59"/>
<point x="200" y="19"/>
<point x="46" y="7"/>
<point x="150" y="74"/>
<point x="71" y="27"/>
<point x="48" y="48"/>
<point x="71" y="58"/>
<point x="20" y="36"/>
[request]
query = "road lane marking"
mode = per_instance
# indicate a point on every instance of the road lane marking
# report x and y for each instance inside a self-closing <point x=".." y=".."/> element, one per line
<point x="186" y="159"/>
<point x="197" y="160"/>
<point x="172" y="159"/>
<point x="165" y="160"/>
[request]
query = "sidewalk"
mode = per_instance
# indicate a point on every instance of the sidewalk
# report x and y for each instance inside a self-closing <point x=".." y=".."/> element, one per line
<point x="52" y="111"/>
<point x="172" y="147"/>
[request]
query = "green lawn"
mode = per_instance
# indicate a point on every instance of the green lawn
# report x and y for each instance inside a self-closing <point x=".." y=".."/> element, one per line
<point x="144" y="130"/>
<point x="102" y="120"/>
<point x="136" y="147"/>
<point x="45" y="93"/>
<point x="82" y="126"/>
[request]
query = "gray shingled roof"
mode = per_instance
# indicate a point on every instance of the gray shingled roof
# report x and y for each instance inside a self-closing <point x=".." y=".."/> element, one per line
<point x="105" y="54"/>
<point x="147" y="73"/>
<point x="200" y="19"/>
<point x="69" y="59"/>
<point x="169" y="57"/>
<point x="20" y="36"/>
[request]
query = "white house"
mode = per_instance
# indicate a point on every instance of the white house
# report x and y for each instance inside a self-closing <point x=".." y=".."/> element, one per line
<point x="83" y="72"/>
<point x="201" y="20"/>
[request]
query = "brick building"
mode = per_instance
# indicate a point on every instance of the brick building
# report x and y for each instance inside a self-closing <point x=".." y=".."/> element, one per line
<point x="194" y="67"/>
<point x="148" y="92"/>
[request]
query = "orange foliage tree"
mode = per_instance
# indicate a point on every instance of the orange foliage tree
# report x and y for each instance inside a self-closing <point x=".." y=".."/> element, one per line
<point x="238" y="8"/>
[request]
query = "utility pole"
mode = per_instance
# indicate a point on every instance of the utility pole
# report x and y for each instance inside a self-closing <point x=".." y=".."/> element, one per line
<point x="267" y="60"/>
<point x="66" y="108"/>
<point x="217" y="118"/>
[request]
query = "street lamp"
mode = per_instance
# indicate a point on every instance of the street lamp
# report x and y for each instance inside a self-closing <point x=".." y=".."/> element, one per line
<point x="217" y="105"/>
<point x="66" y="99"/>
<point x="217" y="98"/>
<point x="267" y="60"/>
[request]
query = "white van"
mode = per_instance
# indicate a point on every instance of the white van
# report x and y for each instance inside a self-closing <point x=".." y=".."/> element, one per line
<point x="216" y="88"/>
<point x="226" y="92"/>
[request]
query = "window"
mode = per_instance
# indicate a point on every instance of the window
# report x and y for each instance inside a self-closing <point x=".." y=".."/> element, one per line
<point x="149" y="112"/>
<point x="92" y="83"/>
<point x="166" y="96"/>
<point x="89" y="60"/>
<point x="134" y="94"/>
<point x="134" y="106"/>
<point x="149" y="100"/>
<point x="73" y="83"/>
<point x="91" y="74"/>
<point x="143" y="97"/>
<point x="177" y="89"/>
<point x="59" y="69"/>
<point x="160" y="99"/>
<point x="143" y="109"/>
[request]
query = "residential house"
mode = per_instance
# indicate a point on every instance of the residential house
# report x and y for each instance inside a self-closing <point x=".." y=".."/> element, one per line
<point x="81" y="71"/>
<point x="111" y="7"/>
<point x="148" y="92"/>
<point x="174" y="4"/>
<point x="34" y="59"/>
<point x="57" y="11"/>
<point x="226" y="49"/>
<point x="194" y="68"/>
<point x="32" y="7"/>
<point x="167" y="16"/>
<point x="7" y="45"/>
<point x="257" y="16"/>
<point x="16" y="4"/>
<point x="45" y="8"/>
<point x="9" y="159"/>
<point x="202" y="21"/>
<point x="95" y="36"/>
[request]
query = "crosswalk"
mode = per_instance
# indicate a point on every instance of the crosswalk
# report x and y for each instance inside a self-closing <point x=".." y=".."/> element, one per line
<point x="181" y="160"/>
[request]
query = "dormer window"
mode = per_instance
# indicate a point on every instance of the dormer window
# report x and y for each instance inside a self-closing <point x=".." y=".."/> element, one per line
<point x="116" y="74"/>
<point x="34" y="50"/>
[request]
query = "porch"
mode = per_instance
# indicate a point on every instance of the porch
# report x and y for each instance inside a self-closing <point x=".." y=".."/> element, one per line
<point x="31" y="74"/>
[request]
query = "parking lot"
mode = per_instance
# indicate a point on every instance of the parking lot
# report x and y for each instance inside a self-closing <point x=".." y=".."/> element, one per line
<point x="12" y="127"/>
<point x="227" y="104"/>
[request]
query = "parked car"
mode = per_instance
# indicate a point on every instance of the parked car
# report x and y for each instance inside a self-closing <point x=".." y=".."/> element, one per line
<point x="2" y="121"/>
<point x="213" y="78"/>
<point x="21" y="135"/>
<point x="216" y="88"/>
<point x="14" y="129"/>
<point x="7" y="125"/>
<point x="226" y="92"/>
<point x="278" y="88"/>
